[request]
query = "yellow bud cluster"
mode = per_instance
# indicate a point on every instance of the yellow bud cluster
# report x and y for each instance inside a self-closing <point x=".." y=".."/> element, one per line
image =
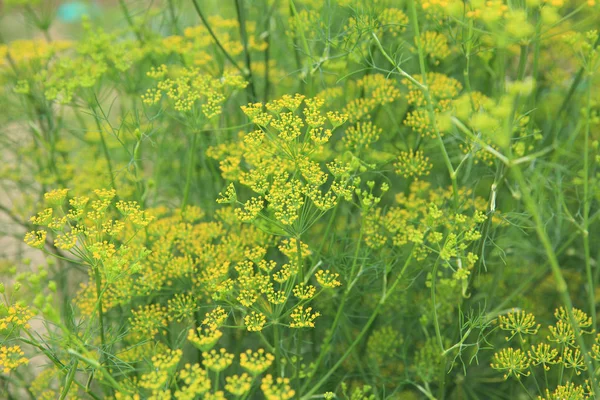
<point x="303" y="318"/>
<point x="256" y="362"/>
<point x="217" y="361"/>
<point x="277" y="389"/>
<point x="11" y="358"/>
<point x="328" y="279"/>
<point x="412" y="164"/>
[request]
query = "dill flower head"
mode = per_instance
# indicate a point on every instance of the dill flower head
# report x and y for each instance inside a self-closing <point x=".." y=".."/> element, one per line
<point x="518" y="323"/>
<point x="11" y="357"/>
<point x="181" y="306"/>
<point x="255" y="321"/>
<point x="361" y="136"/>
<point x="189" y="89"/>
<point x="595" y="353"/>
<point x="276" y="389"/>
<point x="328" y="279"/>
<point x="168" y="360"/>
<point x="562" y="333"/>
<point x="383" y="344"/>
<point x="569" y="391"/>
<point x="204" y="338"/>
<point x="513" y="362"/>
<point x="43" y="218"/>
<point x="15" y="318"/>
<point x="56" y="197"/>
<point x="303" y="318"/>
<point x="435" y="45"/>
<point x="256" y="362"/>
<point x="215" y="318"/>
<point x="544" y="355"/>
<point x="582" y="320"/>
<point x="412" y="164"/>
<point x="238" y="385"/>
<point x="217" y="361"/>
<point x="196" y="382"/>
<point x="573" y="359"/>
<point x="147" y="321"/>
<point x="304" y="292"/>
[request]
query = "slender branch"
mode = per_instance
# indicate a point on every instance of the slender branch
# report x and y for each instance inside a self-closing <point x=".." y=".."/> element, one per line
<point x="241" y="14"/>
<point x="216" y="40"/>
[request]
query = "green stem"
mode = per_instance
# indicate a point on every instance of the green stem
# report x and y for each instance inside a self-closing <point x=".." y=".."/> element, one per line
<point x="129" y="20"/>
<point x="325" y="347"/>
<point x="430" y="109"/>
<point x="68" y="381"/>
<point x="299" y="335"/>
<point x="586" y="210"/>
<point x="104" y="147"/>
<point x="525" y="389"/>
<point x="241" y="15"/>
<point x="190" y="171"/>
<point x="561" y="284"/>
<point x="436" y="324"/>
<point x="173" y="16"/>
<point x="99" y="367"/>
<point x="362" y="333"/>
<point x="98" y="280"/>
<point x="277" y="347"/>
<point x="215" y="39"/>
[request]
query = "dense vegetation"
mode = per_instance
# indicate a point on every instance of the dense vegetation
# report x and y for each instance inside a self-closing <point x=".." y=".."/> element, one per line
<point x="300" y="199"/>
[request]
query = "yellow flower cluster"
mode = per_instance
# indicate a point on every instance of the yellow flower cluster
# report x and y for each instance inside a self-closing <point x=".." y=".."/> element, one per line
<point x="217" y="361"/>
<point x="568" y="355"/>
<point x="11" y="358"/>
<point x="303" y="318"/>
<point x="378" y="90"/>
<point x="256" y="362"/>
<point x="413" y="164"/>
<point x="206" y="336"/>
<point x="277" y="389"/>
<point x="281" y="161"/>
<point x="17" y="317"/>
<point x="189" y="90"/>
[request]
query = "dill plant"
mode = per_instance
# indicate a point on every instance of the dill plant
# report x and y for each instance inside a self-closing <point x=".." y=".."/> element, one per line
<point x="300" y="199"/>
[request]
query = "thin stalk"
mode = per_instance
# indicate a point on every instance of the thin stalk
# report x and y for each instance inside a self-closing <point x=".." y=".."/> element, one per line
<point x="567" y="100"/>
<point x="267" y="87"/>
<point x="327" y="342"/>
<point x="129" y="20"/>
<point x="190" y="170"/>
<point x="362" y="333"/>
<point x="241" y="15"/>
<point x="277" y="347"/>
<point x="215" y="39"/>
<point x="586" y="209"/>
<point x="436" y="324"/>
<point x="99" y="367"/>
<point x="173" y="16"/>
<point x="68" y="381"/>
<point x="104" y="147"/>
<point x="326" y="235"/>
<point x="430" y="109"/>
<point x="98" y="280"/>
<point x="561" y="284"/>
<point x="525" y="389"/>
<point x="299" y="335"/>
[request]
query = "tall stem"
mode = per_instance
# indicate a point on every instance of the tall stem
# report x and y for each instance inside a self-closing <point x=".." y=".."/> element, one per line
<point x="190" y="170"/>
<point x="586" y="210"/>
<point x="428" y="99"/>
<point x="241" y="14"/>
<point x="362" y="333"/>
<point x="561" y="284"/>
